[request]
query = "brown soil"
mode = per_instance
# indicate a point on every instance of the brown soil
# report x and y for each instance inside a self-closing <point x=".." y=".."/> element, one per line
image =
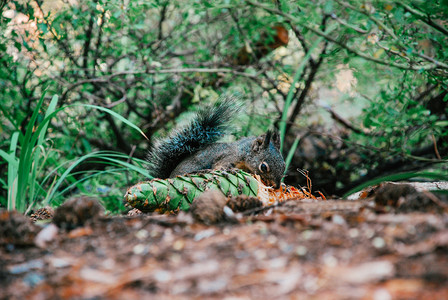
<point x="313" y="249"/>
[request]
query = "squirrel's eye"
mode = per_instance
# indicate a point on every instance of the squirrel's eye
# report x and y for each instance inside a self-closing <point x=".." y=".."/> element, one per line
<point x="263" y="167"/>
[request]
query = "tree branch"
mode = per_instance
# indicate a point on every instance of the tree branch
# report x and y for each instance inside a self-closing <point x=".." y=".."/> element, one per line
<point x="314" y="67"/>
<point x="335" y="116"/>
<point x="60" y="42"/>
<point x="162" y="19"/>
<point x="378" y="23"/>
<point x="85" y="53"/>
<point x="430" y="66"/>
<point x="425" y="18"/>
<point x="398" y="43"/>
<point x="107" y="78"/>
<point x="98" y="42"/>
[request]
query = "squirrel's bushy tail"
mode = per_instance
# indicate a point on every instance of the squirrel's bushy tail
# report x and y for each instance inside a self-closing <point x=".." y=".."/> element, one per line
<point x="209" y="125"/>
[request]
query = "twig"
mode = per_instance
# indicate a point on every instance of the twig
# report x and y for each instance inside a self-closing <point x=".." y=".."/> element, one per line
<point x="85" y="54"/>
<point x="375" y="20"/>
<point x="342" y="22"/>
<point x="98" y="42"/>
<point x="162" y="19"/>
<point x="343" y="121"/>
<point x="425" y="18"/>
<point x="429" y="66"/>
<point x="392" y="34"/>
<point x="61" y="43"/>
<point x="107" y="78"/>
<point x="436" y="200"/>
<point x="435" y="147"/>
<point x="314" y="67"/>
<point x="393" y="52"/>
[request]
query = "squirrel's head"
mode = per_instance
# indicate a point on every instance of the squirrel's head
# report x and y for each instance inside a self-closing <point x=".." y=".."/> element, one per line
<point x="266" y="159"/>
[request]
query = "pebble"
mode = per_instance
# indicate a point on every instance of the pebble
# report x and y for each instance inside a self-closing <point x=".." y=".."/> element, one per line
<point x="46" y="235"/>
<point x="34" y="278"/>
<point x="35" y="264"/>
<point x="204" y="234"/>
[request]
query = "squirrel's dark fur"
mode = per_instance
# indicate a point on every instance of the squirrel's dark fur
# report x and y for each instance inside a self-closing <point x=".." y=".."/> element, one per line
<point x="195" y="148"/>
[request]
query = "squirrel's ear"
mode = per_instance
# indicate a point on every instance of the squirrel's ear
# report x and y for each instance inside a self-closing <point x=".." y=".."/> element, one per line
<point x="258" y="143"/>
<point x="267" y="139"/>
<point x="262" y="141"/>
<point x="276" y="139"/>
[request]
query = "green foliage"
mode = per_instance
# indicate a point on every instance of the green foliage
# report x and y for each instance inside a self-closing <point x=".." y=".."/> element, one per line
<point x="22" y="168"/>
<point x="116" y="63"/>
<point x="399" y="123"/>
<point x="28" y="181"/>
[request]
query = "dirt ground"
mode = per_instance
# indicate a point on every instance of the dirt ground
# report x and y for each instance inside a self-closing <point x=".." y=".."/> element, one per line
<point x="392" y="244"/>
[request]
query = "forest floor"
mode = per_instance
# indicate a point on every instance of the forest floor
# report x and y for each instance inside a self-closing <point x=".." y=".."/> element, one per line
<point x="388" y="245"/>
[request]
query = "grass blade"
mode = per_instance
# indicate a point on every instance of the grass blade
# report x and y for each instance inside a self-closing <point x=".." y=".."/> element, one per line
<point x="300" y="68"/>
<point x="25" y="163"/>
<point x="119" y="117"/>
<point x="397" y="177"/>
<point x="291" y="154"/>
<point x="103" y="156"/>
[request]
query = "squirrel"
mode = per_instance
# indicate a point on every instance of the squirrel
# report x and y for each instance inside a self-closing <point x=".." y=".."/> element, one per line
<point x="195" y="148"/>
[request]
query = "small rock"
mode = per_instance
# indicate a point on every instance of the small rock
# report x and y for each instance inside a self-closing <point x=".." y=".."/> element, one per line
<point x="301" y="250"/>
<point x="208" y="208"/>
<point x="16" y="229"/>
<point x="204" y="234"/>
<point x="338" y="219"/>
<point x="34" y="278"/>
<point x="139" y="249"/>
<point x="367" y="272"/>
<point x="378" y="242"/>
<point x="389" y="194"/>
<point x="59" y="262"/>
<point x="76" y="212"/>
<point x="46" y="235"/>
<point x="35" y="264"/>
<point x="134" y="212"/>
<point x="162" y="276"/>
<point x="142" y="234"/>
<point x="405" y="198"/>
<point x="213" y="207"/>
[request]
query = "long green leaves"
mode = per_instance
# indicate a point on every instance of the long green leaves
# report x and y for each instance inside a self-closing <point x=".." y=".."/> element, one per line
<point x="398" y="177"/>
<point x="12" y="169"/>
<point x="291" y="152"/>
<point x="22" y="169"/>
<point x="28" y="154"/>
<point x="107" y="157"/>
<point x="114" y="114"/>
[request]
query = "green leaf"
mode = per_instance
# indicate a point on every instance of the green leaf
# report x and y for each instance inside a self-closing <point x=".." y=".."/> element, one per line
<point x="114" y="114"/>
<point x="445" y="98"/>
<point x="291" y="152"/>
<point x="43" y="27"/>
<point x="18" y="45"/>
<point x="328" y="7"/>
